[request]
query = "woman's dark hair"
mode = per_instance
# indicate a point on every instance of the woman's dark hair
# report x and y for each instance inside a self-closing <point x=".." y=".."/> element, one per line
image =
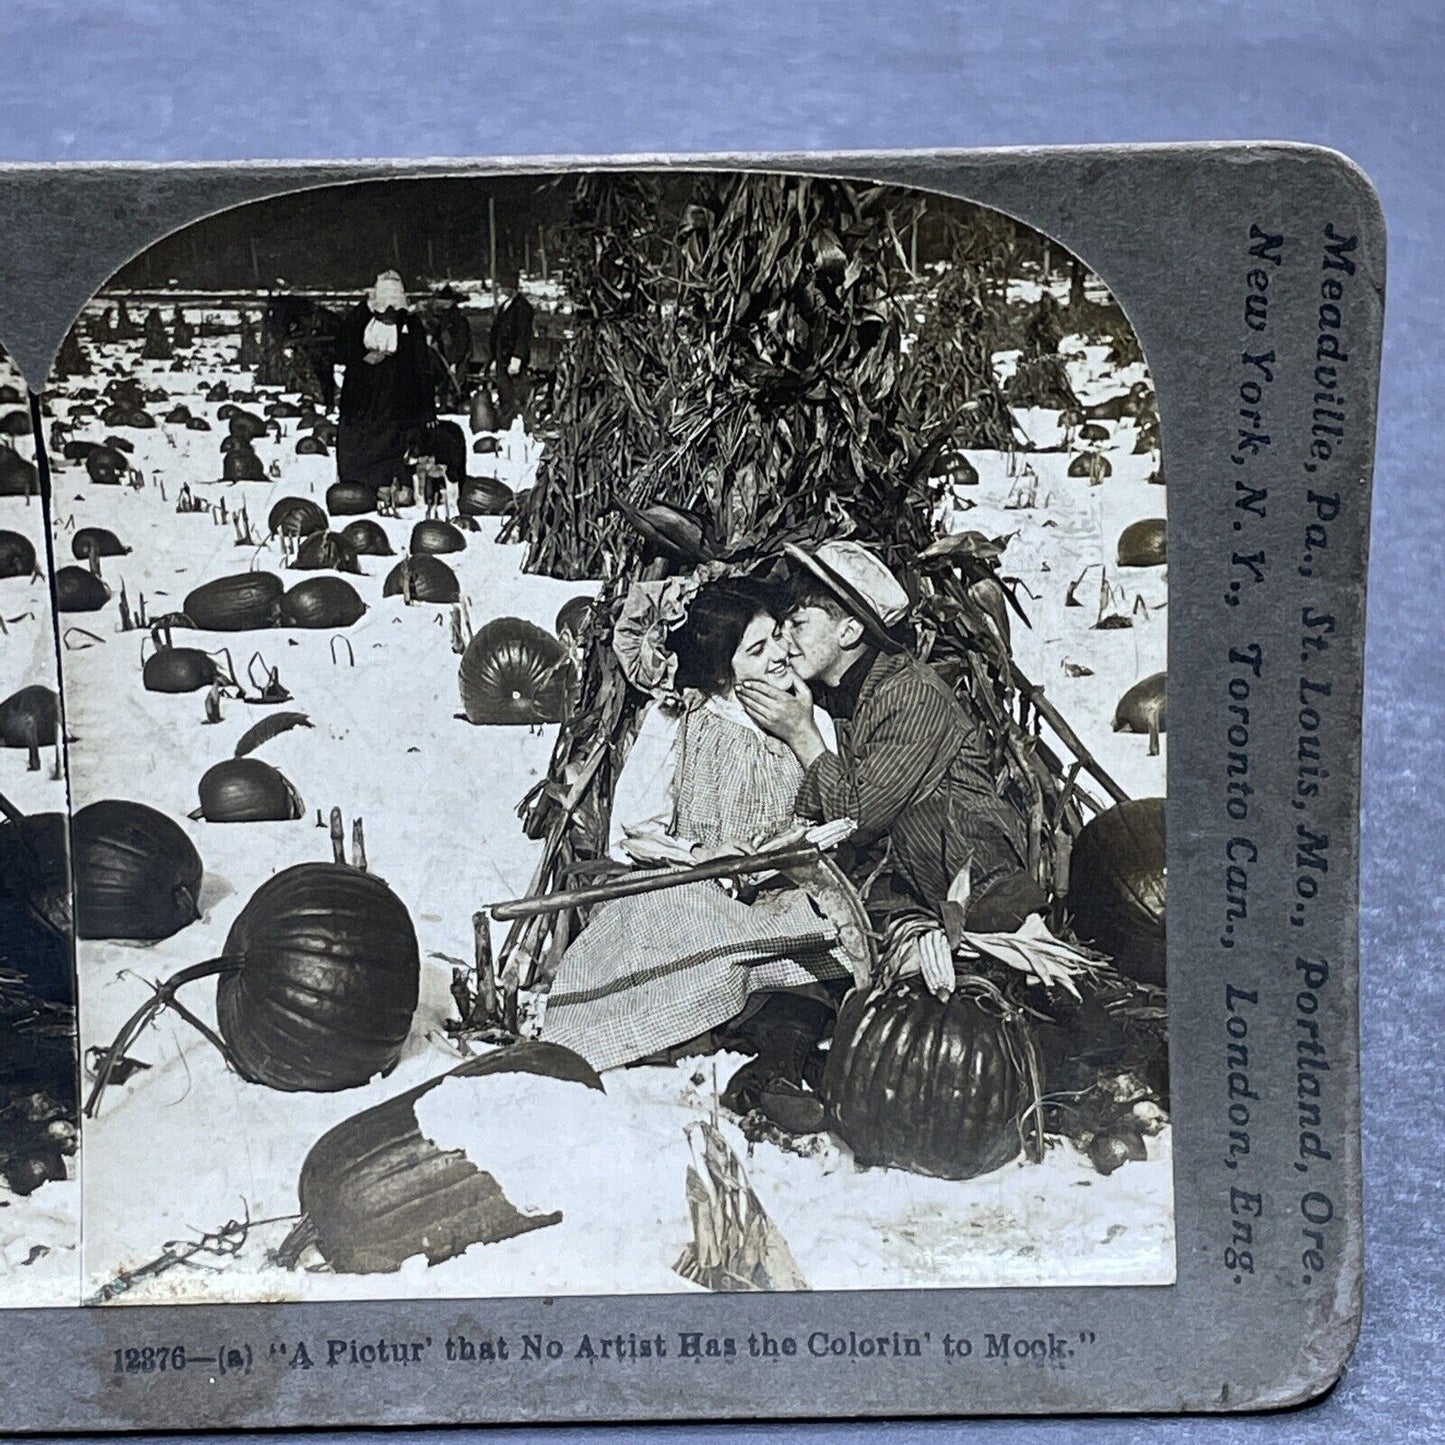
<point x="718" y="617"/>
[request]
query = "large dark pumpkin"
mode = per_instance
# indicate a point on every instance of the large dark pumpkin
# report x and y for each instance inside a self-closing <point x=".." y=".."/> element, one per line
<point x="178" y="669"/>
<point x="513" y="672"/>
<point x="1144" y="543"/>
<point x="247" y="790"/>
<point x="1141" y="709"/>
<point x="327" y="549"/>
<point x="105" y="466"/>
<point x="18" y="476"/>
<point x="311" y="446"/>
<point x="425" y="578"/>
<point x="1090" y="464"/>
<point x="98" y="542"/>
<point x="350" y="499"/>
<point x="573" y="614"/>
<point x="198" y="423"/>
<point x="436" y="536"/>
<point x="295" y="517"/>
<point x="10" y="395"/>
<point x="1117" y="887"/>
<point x="245" y="425"/>
<point x="33" y="712"/>
<point x="17" y="555"/>
<point x="322" y="602"/>
<point x="15" y="424"/>
<point x="239" y="603"/>
<point x="137" y="874"/>
<point x="78" y="589"/>
<point x="483" y="412"/>
<point x="367" y="538"/>
<point x="325" y="980"/>
<point x="483" y="497"/>
<point x="377" y="1192"/>
<point x="241" y="464"/>
<point x="940" y="1088"/>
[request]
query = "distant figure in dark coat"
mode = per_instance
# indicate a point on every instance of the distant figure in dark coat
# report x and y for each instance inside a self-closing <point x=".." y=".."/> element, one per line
<point x="452" y="337"/>
<point x="512" y="351"/>
<point x="157" y="343"/>
<point x="386" y="394"/>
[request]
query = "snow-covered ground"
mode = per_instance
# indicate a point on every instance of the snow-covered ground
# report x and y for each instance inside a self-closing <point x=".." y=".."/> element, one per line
<point x="186" y="1146"/>
<point x="39" y="1234"/>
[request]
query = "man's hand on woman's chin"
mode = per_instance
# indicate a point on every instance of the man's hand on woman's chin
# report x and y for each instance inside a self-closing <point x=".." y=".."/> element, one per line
<point x="784" y="712"/>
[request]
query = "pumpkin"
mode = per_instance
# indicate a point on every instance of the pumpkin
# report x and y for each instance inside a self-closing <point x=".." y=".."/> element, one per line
<point x="327" y="549"/>
<point x="945" y="1088"/>
<point x="483" y="412"/>
<point x="1113" y="408"/>
<point x="245" y="425"/>
<point x="1143" y="544"/>
<point x="375" y="1192"/>
<point x="10" y="394"/>
<point x="33" y="711"/>
<point x="1093" y="431"/>
<point x="1141" y="709"/>
<point x="247" y="790"/>
<point x="219" y="390"/>
<point x="311" y="446"/>
<point x="433" y="535"/>
<point x="179" y="414"/>
<point x="120" y="444"/>
<point x="326" y="432"/>
<point x="15" y="424"/>
<point x="105" y="466"/>
<point x="238" y="603"/>
<point x="295" y="517"/>
<point x="97" y="542"/>
<point x="77" y="451"/>
<point x="282" y="410"/>
<point x="321" y="602"/>
<point x="514" y="673"/>
<point x="241" y="464"/>
<point x="483" y="497"/>
<point x="137" y="874"/>
<point x="17" y="555"/>
<point x="350" y="499"/>
<point x="18" y="477"/>
<point x="198" y="423"/>
<point x="316" y="985"/>
<point x="1117" y="887"/>
<point x="178" y="669"/>
<point x="573" y="614"/>
<point x="424" y="578"/>
<point x="78" y="589"/>
<point x="1090" y="464"/>
<point x="487" y="446"/>
<point x="136" y="417"/>
<point x="367" y="538"/>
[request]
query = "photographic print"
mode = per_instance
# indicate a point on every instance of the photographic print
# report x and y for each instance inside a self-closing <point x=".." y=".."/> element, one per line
<point x="619" y="749"/>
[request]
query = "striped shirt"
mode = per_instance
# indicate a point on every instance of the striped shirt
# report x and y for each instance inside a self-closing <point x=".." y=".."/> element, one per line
<point x="914" y="772"/>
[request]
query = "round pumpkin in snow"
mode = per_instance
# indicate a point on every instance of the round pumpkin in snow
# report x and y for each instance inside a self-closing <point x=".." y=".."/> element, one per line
<point x="327" y="550"/>
<point x="514" y="673"/>
<point x="178" y="669"/>
<point x="137" y="875"/>
<point x="483" y="497"/>
<point x="78" y="589"/>
<point x="945" y="1088"/>
<point x="322" y="602"/>
<point x="1117" y="887"/>
<point x="17" y="555"/>
<point x="18" y="475"/>
<point x="33" y="712"/>
<point x="247" y="790"/>
<point x="1093" y="431"/>
<point x="375" y="1192"/>
<point x="1090" y="464"/>
<point x="350" y="499"/>
<point x="97" y="542"/>
<point x="179" y="414"/>
<point x="239" y="603"/>
<point x="245" y="425"/>
<point x="295" y="517"/>
<point x="311" y="446"/>
<point x="198" y="423"/>
<point x="572" y="615"/>
<point x="10" y="395"/>
<point x="241" y="464"/>
<point x="436" y="536"/>
<point x="1144" y="543"/>
<point x="367" y="538"/>
<point x="423" y="579"/>
<point x="1141" y="709"/>
<point x="15" y="424"/>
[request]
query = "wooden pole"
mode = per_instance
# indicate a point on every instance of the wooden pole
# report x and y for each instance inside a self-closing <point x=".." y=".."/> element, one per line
<point x="486" y="969"/>
<point x="255" y="269"/>
<point x="431" y="266"/>
<point x="542" y="249"/>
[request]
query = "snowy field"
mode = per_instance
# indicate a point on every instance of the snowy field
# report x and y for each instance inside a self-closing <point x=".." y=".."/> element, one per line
<point x="186" y="1146"/>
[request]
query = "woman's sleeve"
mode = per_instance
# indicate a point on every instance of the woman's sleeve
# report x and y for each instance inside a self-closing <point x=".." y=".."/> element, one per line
<point x="644" y="793"/>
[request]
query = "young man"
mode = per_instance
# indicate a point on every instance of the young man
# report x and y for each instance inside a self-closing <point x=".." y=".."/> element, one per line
<point x="511" y="345"/>
<point x="911" y="769"/>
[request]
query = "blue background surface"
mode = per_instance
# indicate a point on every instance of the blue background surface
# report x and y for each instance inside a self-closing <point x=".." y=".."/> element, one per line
<point x="137" y="80"/>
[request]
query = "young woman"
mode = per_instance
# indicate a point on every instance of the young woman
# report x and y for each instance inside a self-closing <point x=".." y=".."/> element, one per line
<point x="702" y="779"/>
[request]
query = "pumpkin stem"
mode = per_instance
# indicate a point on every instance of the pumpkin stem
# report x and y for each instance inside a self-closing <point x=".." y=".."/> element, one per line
<point x="302" y="1235"/>
<point x="163" y="997"/>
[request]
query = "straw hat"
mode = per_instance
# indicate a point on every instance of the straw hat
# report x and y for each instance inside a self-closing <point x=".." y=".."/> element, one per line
<point x="388" y="294"/>
<point x="861" y="583"/>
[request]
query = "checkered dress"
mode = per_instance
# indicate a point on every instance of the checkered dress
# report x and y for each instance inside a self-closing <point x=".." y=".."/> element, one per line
<point x="656" y="970"/>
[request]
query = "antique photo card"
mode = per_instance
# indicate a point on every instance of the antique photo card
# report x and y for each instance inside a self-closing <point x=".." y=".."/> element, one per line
<point x="619" y="793"/>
